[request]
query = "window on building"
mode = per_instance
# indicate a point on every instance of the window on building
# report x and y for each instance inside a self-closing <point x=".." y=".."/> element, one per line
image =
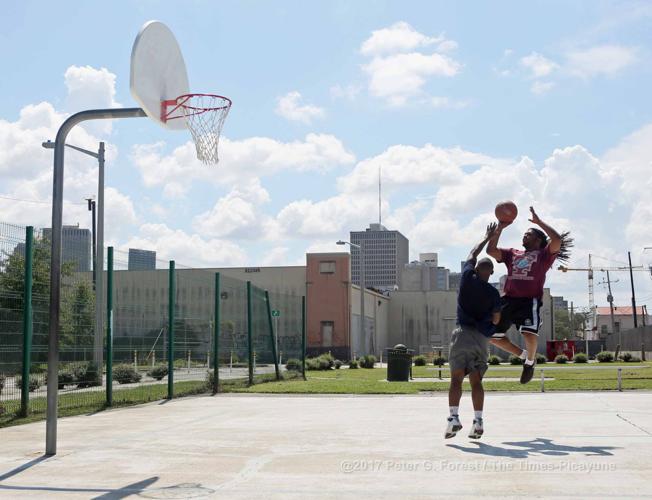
<point x="327" y="333"/>
<point x="603" y="330"/>
<point x="327" y="267"/>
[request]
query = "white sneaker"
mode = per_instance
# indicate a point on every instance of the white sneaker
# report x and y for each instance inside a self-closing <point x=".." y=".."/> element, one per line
<point x="476" y="429"/>
<point x="454" y="426"/>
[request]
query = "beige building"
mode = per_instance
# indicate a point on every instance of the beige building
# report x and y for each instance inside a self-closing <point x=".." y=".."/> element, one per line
<point x="623" y="319"/>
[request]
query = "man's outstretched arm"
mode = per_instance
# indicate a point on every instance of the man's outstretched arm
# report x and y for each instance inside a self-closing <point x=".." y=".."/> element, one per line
<point x="555" y="239"/>
<point x="491" y="228"/>
<point x="492" y="247"/>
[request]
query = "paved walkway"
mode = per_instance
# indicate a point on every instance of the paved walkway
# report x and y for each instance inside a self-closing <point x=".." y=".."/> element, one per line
<point x="574" y="445"/>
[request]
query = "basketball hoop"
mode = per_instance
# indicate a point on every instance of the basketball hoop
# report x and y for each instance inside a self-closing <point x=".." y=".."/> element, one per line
<point x="204" y="115"/>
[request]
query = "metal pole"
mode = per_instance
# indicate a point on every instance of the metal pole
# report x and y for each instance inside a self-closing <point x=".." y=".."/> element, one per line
<point x="250" y="335"/>
<point x="620" y="379"/>
<point x="171" y="303"/>
<point x="27" y="320"/>
<point x="99" y="265"/>
<point x="216" y="336"/>
<point x="362" y="288"/>
<point x="631" y="278"/>
<point x="109" y="327"/>
<point x="55" y="259"/>
<point x="271" y="331"/>
<point x="542" y="381"/>
<point x="303" y="336"/>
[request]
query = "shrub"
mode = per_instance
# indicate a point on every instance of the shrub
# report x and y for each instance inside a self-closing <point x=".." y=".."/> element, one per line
<point x="337" y="364"/>
<point x="493" y="360"/>
<point x="635" y="359"/>
<point x="34" y="383"/>
<point x="419" y="361"/>
<point x="158" y="372"/>
<point x="561" y="359"/>
<point x="65" y="378"/>
<point x="312" y="364"/>
<point x="125" y="374"/>
<point x="626" y="357"/>
<point x="86" y="374"/>
<point x="580" y="357"/>
<point x="329" y="358"/>
<point x="2" y="382"/>
<point x="515" y="360"/>
<point x="605" y="357"/>
<point x="541" y="359"/>
<point x="368" y="361"/>
<point x="324" y="363"/>
<point x="293" y="364"/>
<point x="439" y="360"/>
<point x="38" y="368"/>
<point x="353" y="364"/>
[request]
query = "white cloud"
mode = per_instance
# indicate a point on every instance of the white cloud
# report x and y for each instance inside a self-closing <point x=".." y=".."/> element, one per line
<point x="258" y="156"/>
<point x="538" y="65"/>
<point x="187" y="249"/>
<point x="238" y="214"/>
<point x="600" y="60"/>
<point x="398" y="77"/>
<point x="290" y="107"/>
<point x="400" y="37"/>
<point x="447" y="103"/>
<point x="540" y="88"/>
<point x="403" y="60"/>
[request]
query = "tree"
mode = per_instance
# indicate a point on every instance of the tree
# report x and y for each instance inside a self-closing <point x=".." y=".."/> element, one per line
<point x="563" y="326"/>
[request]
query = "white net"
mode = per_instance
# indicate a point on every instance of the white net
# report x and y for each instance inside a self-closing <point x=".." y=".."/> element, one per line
<point x="205" y="115"/>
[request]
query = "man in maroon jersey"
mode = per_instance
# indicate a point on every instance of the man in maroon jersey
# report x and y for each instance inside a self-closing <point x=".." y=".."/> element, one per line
<point x="526" y="275"/>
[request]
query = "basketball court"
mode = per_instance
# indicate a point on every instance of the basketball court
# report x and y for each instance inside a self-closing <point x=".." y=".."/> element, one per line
<point x="576" y="445"/>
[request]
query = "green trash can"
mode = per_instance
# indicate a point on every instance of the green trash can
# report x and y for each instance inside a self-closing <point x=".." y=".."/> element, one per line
<point x="399" y="363"/>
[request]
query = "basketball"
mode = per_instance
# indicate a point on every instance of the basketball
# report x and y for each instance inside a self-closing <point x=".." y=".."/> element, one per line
<point x="506" y="211"/>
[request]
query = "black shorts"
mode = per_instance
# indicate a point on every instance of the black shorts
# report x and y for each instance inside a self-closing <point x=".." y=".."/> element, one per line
<point x="522" y="312"/>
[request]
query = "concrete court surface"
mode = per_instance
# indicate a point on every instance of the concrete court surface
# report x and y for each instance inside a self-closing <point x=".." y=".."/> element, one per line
<point x="560" y="445"/>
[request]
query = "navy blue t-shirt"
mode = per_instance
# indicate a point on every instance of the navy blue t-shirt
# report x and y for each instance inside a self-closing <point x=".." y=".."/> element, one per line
<point x="477" y="300"/>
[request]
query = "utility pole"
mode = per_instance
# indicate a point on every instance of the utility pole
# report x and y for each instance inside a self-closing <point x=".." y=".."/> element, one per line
<point x="631" y="278"/>
<point x="572" y="321"/>
<point x="610" y="299"/>
<point x="91" y="208"/>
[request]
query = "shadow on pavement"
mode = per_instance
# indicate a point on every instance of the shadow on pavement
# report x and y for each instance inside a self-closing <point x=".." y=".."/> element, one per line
<point x="537" y="446"/>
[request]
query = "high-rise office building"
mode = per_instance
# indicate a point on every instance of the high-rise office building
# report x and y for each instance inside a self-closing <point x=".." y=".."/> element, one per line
<point x="385" y="254"/>
<point x="75" y="246"/>
<point x="141" y="260"/>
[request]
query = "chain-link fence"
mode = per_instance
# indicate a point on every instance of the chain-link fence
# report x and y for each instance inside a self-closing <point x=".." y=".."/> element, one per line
<point x="146" y="349"/>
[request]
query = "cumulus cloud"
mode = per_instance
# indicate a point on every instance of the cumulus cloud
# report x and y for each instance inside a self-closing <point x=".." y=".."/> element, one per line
<point x="540" y="88"/>
<point x="237" y="214"/>
<point x="538" y="65"/>
<point x="187" y="249"/>
<point x="602" y="60"/>
<point x="401" y="37"/>
<point x="258" y="156"/>
<point x="291" y="107"/>
<point x="403" y="60"/>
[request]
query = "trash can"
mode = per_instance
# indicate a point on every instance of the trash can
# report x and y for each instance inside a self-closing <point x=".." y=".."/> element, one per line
<point x="399" y="363"/>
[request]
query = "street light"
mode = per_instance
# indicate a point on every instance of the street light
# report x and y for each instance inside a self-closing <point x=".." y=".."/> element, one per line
<point x="362" y="285"/>
<point x="98" y="242"/>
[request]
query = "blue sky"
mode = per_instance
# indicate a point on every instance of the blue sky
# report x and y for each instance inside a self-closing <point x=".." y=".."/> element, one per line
<point x="461" y="104"/>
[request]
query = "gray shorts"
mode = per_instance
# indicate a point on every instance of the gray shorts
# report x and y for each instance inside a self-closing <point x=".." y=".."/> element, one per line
<point x="468" y="350"/>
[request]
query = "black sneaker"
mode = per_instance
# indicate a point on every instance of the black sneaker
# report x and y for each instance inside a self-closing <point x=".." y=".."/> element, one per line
<point x="528" y="372"/>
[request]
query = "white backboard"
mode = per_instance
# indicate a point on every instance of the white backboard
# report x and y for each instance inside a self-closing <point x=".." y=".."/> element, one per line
<point x="158" y="72"/>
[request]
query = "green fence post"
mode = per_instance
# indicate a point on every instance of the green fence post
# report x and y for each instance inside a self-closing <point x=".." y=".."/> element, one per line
<point x="271" y="335"/>
<point x="27" y="321"/>
<point x="250" y="346"/>
<point x="216" y="336"/>
<point x="303" y="336"/>
<point x="109" y="327"/>
<point x="171" y="304"/>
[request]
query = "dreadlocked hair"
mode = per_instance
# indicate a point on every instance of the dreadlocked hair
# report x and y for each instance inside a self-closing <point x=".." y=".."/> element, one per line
<point x="566" y="243"/>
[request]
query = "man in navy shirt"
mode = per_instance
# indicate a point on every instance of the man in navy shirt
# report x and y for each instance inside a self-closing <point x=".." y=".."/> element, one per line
<point x="478" y="313"/>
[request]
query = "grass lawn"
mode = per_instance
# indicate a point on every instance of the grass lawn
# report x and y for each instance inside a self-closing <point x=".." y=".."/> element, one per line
<point x="370" y="381"/>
